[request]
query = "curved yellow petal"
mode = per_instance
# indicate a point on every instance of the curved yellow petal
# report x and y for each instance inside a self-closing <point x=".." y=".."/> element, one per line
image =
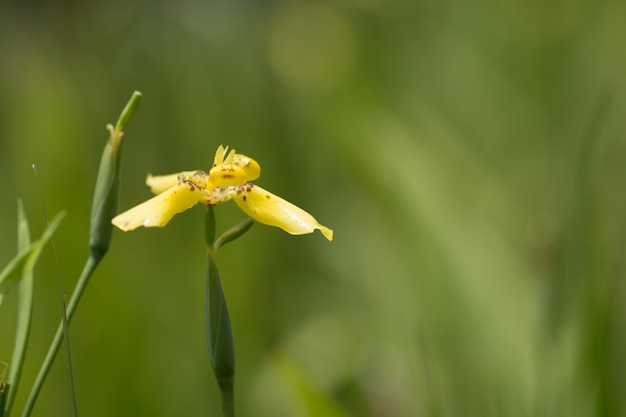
<point x="250" y="166"/>
<point x="272" y="210"/>
<point x="161" y="183"/>
<point x="159" y="210"/>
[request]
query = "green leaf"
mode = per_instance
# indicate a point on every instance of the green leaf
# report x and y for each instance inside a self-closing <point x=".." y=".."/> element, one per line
<point x="220" y="336"/>
<point x="218" y="327"/>
<point x="26" y="258"/>
<point x="24" y="310"/>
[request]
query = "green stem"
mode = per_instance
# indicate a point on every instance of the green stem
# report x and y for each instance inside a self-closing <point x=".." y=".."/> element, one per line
<point x="68" y="358"/>
<point x="233" y="233"/>
<point x="228" y="400"/>
<point x="88" y="270"/>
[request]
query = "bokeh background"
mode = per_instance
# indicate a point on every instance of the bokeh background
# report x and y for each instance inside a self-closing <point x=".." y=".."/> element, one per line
<point x="468" y="155"/>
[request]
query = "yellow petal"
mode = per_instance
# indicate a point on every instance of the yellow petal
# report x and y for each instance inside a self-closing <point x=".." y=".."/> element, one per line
<point x="160" y="183"/>
<point x="226" y="175"/>
<point x="272" y="210"/>
<point x="219" y="155"/>
<point x="230" y="157"/>
<point x="159" y="210"/>
<point x="250" y="166"/>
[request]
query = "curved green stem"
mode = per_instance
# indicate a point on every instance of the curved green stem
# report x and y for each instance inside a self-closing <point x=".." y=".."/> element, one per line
<point x="233" y="233"/>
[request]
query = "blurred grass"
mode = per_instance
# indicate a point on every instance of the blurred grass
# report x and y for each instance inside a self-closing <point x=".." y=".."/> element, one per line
<point x="468" y="155"/>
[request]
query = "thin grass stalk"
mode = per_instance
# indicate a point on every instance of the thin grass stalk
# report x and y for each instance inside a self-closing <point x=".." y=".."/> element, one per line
<point x="88" y="270"/>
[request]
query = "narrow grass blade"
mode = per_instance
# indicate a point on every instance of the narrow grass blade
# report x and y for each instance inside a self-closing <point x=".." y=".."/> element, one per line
<point x="24" y="310"/>
<point x="26" y="258"/>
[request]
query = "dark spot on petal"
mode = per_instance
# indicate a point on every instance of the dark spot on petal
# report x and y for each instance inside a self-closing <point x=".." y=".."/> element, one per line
<point x="226" y="176"/>
<point x="244" y="198"/>
<point x="267" y="196"/>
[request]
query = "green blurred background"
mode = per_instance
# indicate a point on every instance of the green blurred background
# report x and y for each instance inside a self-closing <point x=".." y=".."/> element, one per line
<point x="468" y="155"/>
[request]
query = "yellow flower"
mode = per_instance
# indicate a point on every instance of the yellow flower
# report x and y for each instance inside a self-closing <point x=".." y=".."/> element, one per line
<point x="228" y="179"/>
